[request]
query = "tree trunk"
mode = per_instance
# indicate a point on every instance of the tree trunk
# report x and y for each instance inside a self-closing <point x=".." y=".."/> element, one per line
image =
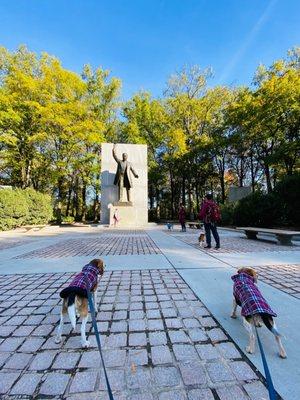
<point x="268" y="177"/>
<point x="241" y="172"/>
<point x="183" y="191"/>
<point x="274" y="177"/>
<point x="222" y="182"/>
<point x="69" y="199"/>
<point x="151" y="196"/>
<point x="289" y="166"/>
<point x="221" y="168"/>
<point x="59" y="201"/>
<point x="23" y="177"/>
<point x="252" y="173"/>
<point x="172" y="196"/>
<point x="83" y="209"/>
<point x="197" y="197"/>
<point x="76" y="200"/>
<point x="157" y="204"/>
<point x="96" y="208"/>
<point x="28" y="174"/>
<point x="190" y="200"/>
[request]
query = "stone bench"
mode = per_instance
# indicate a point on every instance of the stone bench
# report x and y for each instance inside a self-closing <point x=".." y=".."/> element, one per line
<point x="194" y="225"/>
<point x="33" y="227"/>
<point x="283" y="237"/>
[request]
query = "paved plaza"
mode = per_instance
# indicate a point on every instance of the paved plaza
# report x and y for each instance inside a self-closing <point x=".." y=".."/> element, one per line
<point x="164" y="306"/>
<point x="238" y="245"/>
<point x="285" y="277"/>
<point x="118" y="244"/>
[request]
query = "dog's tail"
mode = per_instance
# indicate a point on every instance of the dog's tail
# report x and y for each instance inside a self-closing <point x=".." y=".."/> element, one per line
<point x="267" y="320"/>
<point x="71" y="309"/>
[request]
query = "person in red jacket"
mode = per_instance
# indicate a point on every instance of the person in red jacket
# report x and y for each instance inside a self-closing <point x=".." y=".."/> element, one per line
<point x="210" y="215"/>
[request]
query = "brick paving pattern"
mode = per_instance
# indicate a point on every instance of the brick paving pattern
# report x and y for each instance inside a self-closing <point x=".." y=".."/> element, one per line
<point x="8" y="244"/>
<point x="235" y="244"/>
<point x="117" y="244"/>
<point x="160" y="342"/>
<point x="178" y="232"/>
<point x="285" y="277"/>
<point x="116" y="231"/>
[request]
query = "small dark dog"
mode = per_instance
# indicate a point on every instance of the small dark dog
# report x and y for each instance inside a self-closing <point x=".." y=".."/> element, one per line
<point x="255" y="309"/>
<point x="170" y="226"/>
<point x="75" y="300"/>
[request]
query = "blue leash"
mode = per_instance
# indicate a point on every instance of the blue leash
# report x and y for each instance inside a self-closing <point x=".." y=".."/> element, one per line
<point x="270" y="386"/>
<point x="94" y="323"/>
<point x="271" y="390"/>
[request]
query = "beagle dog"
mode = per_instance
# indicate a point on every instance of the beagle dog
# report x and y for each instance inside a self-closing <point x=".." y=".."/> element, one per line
<point x="255" y="309"/>
<point x="201" y="239"/>
<point x="75" y="300"/>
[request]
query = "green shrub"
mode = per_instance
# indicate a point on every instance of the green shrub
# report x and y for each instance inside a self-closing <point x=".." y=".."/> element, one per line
<point x="40" y="207"/>
<point x="91" y="213"/>
<point x="152" y="215"/>
<point x="13" y="209"/>
<point x="23" y="207"/>
<point x="257" y="209"/>
<point x="227" y="211"/>
<point x="279" y="208"/>
<point x="287" y="193"/>
<point x="68" y="220"/>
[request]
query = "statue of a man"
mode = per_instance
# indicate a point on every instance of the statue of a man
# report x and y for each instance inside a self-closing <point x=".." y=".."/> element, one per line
<point x="123" y="174"/>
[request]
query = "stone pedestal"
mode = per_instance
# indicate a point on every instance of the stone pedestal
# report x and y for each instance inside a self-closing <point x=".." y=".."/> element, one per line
<point x="135" y="213"/>
<point x="128" y="217"/>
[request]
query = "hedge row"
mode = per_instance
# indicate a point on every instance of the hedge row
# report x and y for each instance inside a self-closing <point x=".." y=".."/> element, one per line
<point x="24" y="207"/>
<point x="279" y="208"/>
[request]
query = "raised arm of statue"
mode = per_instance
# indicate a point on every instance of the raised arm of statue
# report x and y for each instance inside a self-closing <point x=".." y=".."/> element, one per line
<point x="114" y="154"/>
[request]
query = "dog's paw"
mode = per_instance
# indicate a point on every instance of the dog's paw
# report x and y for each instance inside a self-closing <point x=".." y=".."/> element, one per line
<point x="85" y="344"/>
<point x="282" y="354"/>
<point x="57" y="339"/>
<point x="234" y="316"/>
<point x="249" y="350"/>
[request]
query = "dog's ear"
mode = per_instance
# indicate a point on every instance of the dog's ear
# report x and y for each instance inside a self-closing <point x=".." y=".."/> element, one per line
<point x="249" y="271"/>
<point x="252" y="272"/>
<point x="98" y="263"/>
<point x="101" y="266"/>
<point x="256" y="276"/>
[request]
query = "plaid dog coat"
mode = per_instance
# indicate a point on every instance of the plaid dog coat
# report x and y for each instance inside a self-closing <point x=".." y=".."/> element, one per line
<point x="248" y="296"/>
<point x="78" y="284"/>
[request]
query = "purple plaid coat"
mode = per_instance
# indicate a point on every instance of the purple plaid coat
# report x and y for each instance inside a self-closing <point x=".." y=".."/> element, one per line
<point x="249" y="297"/>
<point x="90" y="272"/>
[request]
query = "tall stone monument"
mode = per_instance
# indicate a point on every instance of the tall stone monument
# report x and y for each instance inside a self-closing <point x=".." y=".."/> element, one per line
<point x="237" y="193"/>
<point x="124" y="185"/>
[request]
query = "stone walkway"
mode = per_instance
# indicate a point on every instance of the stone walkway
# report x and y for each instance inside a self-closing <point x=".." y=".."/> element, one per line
<point x="160" y="342"/>
<point x="105" y="245"/>
<point x="236" y="245"/>
<point x="160" y="339"/>
<point x="8" y="244"/>
<point x="284" y="277"/>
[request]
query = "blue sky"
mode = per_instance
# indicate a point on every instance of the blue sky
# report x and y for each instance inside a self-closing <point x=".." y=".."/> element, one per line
<point x="144" y="41"/>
